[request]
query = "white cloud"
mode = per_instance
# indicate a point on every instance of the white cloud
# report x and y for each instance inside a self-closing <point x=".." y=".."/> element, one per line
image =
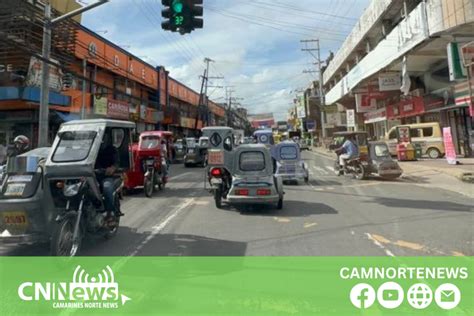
<point x="264" y="64"/>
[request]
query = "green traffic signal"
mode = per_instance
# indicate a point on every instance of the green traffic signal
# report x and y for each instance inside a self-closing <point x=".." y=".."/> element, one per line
<point x="177" y="6"/>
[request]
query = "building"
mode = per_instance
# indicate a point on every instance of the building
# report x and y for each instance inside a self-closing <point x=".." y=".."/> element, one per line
<point x="89" y="76"/>
<point x="403" y="63"/>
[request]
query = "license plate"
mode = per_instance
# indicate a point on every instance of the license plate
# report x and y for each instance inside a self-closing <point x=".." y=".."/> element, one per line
<point x="15" y="219"/>
<point x="215" y="158"/>
<point x="216" y="181"/>
<point x="15" y="189"/>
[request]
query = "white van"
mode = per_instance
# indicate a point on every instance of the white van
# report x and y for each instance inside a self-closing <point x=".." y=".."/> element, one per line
<point x="428" y="135"/>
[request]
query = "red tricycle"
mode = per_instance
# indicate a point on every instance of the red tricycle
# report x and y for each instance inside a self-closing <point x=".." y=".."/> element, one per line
<point x="151" y="168"/>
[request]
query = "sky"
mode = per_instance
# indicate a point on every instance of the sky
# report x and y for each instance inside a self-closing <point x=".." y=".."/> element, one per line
<point x="255" y="44"/>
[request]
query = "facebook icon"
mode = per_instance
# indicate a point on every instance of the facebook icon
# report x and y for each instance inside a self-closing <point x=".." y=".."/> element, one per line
<point x="362" y="296"/>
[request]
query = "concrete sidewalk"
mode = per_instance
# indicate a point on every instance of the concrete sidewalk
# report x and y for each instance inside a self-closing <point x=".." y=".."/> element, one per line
<point x="431" y="173"/>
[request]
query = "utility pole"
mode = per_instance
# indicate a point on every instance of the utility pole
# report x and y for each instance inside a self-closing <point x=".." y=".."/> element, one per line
<point x="321" y="92"/>
<point x="43" y="120"/>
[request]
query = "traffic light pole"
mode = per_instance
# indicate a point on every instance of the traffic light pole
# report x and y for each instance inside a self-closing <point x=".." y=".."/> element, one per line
<point x="43" y="120"/>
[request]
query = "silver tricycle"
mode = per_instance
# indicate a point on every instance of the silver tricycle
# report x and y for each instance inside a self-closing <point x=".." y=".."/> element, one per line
<point x="243" y="174"/>
<point x="289" y="166"/>
<point x="84" y="180"/>
<point x="24" y="216"/>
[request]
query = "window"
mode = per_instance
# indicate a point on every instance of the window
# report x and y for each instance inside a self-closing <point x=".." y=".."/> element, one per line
<point x="149" y="142"/>
<point x="415" y="132"/>
<point x="228" y="141"/>
<point x="288" y="152"/>
<point x="118" y="136"/>
<point x="252" y="161"/>
<point x="428" y="132"/>
<point x="381" y="150"/>
<point x="393" y="134"/>
<point x="74" y="146"/>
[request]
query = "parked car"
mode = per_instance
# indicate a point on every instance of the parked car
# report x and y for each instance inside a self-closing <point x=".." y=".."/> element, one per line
<point x="428" y="135"/>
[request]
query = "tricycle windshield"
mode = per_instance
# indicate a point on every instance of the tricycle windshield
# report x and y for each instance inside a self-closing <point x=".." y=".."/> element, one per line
<point x="252" y="161"/>
<point x="19" y="165"/>
<point x="288" y="152"/>
<point x="381" y="150"/>
<point x="150" y="142"/>
<point x="74" y="146"/>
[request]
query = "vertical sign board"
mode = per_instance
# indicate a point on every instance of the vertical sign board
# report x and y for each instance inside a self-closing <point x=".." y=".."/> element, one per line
<point x="350" y="114"/>
<point x="403" y="133"/>
<point x="449" y="149"/>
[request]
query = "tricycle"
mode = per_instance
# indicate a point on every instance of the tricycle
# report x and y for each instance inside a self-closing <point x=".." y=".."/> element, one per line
<point x="83" y="180"/>
<point x="24" y="215"/>
<point x="179" y="150"/>
<point x="197" y="154"/>
<point x="290" y="167"/>
<point x="358" y="167"/>
<point x="381" y="162"/>
<point x="150" y="166"/>
<point x="265" y="137"/>
<point x="243" y="174"/>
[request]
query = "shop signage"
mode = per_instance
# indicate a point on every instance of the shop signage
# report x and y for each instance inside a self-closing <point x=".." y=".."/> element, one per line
<point x="364" y="103"/>
<point x="6" y="68"/>
<point x="153" y="116"/>
<point x="449" y="149"/>
<point x="457" y="71"/>
<point x="390" y="81"/>
<point x="310" y="125"/>
<point x="403" y="133"/>
<point x="143" y="111"/>
<point x="351" y="122"/>
<point x="376" y="116"/>
<point x="100" y="106"/>
<point x="117" y="109"/>
<point x="33" y="78"/>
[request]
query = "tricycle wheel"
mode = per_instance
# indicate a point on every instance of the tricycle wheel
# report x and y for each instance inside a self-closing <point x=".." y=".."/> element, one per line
<point x="112" y="230"/>
<point x="218" y="197"/>
<point x="359" y="172"/>
<point x="62" y="239"/>
<point x="280" y="204"/>
<point x="149" y="187"/>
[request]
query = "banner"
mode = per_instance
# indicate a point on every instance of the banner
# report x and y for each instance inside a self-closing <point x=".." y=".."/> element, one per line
<point x="449" y="149"/>
<point x="100" y="106"/>
<point x="351" y="121"/>
<point x="35" y="71"/>
<point x="118" y="109"/>
<point x="236" y="286"/>
<point x="390" y="81"/>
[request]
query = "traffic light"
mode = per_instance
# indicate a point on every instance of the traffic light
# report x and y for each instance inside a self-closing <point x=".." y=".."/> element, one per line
<point x="182" y="15"/>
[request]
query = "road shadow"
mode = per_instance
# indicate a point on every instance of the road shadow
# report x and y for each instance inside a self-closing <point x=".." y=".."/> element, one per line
<point x="128" y="241"/>
<point x="290" y="209"/>
<point x="422" y="204"/>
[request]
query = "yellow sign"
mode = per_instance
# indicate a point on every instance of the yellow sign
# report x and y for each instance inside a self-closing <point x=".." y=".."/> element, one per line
<point x="100" y="106"/>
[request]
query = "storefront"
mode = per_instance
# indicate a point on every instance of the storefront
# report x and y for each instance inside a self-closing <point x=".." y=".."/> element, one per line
<point x="376" y="122"/>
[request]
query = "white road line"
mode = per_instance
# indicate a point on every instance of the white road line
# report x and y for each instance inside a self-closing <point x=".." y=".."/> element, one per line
<point x="158" y="228"/>
<point x="179" y="176"/>
<point x="330" y="168"/>
<point x="378" y="244"/>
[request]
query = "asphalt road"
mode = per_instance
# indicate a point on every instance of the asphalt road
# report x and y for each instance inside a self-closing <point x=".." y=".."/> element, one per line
<point x="331" y="216"/>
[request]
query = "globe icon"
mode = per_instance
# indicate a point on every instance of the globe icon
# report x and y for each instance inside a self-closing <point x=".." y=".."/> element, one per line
<point x="420" y="296"/>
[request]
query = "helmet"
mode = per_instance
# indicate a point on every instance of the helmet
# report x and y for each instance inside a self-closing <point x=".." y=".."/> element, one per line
<point x="21" y="142"/>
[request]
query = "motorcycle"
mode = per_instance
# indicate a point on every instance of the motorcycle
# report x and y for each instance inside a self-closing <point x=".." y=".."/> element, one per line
<point x="354" y="167"/>
<point x="72" y="182"/>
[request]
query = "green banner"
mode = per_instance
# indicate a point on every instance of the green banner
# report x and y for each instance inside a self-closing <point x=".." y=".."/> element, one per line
<point x="236" y="286"/>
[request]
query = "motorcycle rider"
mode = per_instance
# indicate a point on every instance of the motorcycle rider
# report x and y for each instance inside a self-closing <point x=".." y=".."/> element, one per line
<point x="110" y="181"/>
<point x="20" y="145"/>
<point x="349" y="150"/>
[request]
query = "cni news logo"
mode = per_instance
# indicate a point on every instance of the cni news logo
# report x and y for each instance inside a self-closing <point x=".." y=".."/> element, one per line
<point x="85" y="291"/>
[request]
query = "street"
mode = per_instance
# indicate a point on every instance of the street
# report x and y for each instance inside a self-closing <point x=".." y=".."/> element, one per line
<point x="331" y="216"/>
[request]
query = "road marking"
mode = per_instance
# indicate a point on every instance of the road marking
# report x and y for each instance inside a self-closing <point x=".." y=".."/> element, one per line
<point x="202" y="203"/>
<point x="282" y="220"/>
<point x="330" y="168"/>
<point x="458" y="254"/>
<point x="409" y="245"/>
<point x="309" y="225"/>
<point x="180" y="176"/>
<point x="158" y="228"/>
<point x="380" y="245"/>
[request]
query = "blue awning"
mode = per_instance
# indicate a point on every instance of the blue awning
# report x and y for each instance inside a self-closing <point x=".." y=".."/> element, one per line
<point x="66" y="117"/>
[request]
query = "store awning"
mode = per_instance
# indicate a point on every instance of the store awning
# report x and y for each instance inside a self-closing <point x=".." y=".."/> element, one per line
<point x="66" y="117"/>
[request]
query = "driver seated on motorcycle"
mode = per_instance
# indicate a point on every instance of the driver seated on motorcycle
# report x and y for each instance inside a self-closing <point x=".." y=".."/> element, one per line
<point x="348" y="151"/>
<point x="110" y="181"/>
<point x="20" y="145"/>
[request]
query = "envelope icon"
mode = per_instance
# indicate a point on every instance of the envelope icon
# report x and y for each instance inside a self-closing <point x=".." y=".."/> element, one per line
<point x="447" y="296"/>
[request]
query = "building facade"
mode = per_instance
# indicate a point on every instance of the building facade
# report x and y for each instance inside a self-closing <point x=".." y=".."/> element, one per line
<point x="407" y="62"/>
<point x="90" y="77"/>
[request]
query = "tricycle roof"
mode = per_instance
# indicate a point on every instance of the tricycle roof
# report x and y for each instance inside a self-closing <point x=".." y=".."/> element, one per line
<point x="101" y="123"/>
<point x="151" y="133"/>
<point x="217" y="128"/>
<point x="263" y="131"/>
